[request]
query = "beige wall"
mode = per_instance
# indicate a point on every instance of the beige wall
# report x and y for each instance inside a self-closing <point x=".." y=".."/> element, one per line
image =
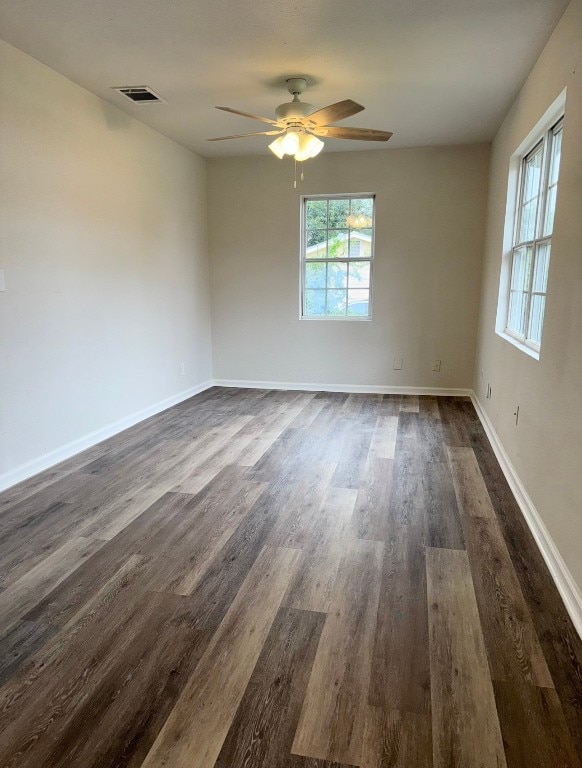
<point x="546" y="447"/>
<point x="429" y="238"/>
<point x="103" y="246"/>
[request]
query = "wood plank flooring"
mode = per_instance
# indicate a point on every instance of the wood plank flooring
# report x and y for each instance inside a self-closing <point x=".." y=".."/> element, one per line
<point x="283" y="580"/>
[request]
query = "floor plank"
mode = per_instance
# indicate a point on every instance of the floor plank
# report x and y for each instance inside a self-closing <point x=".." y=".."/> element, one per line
<point x="561" y="644"/>
<point x="19" y="643"/>
<point x="312" y="588"/>
<point x="466" y="729"/>
<point x="352" y="462"/>
<point x="370" y="519"/>
<point x="512" y="644"/>
<point x="195" y="535"/>
<point x="100" y="695"/>
<point x="80" y="587"/>
<point x="443" y="523"/>
<point x="454" y="429"/>
<point x="332" y="720"/>
<point x="534" y="730"/>
<point x="430" y="432"/>
<point x="470" y="489"/>
<point x="407" y="504"/>
<point x="295" y="523"/>
<point x="262" y="731"/>
<point x="383" y="444"/>
<point x="25" y="593"/>
<point x="409" y="404"/>
<point x="193" y="735"/>
<point x="400" y="676"/>
<point x="397" y="739"/>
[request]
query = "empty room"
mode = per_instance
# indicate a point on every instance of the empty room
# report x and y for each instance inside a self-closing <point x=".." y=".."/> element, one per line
<point x="290" y="384"/>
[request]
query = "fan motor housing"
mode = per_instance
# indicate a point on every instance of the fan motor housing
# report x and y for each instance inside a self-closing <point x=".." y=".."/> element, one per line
<point x="293" y="109"/>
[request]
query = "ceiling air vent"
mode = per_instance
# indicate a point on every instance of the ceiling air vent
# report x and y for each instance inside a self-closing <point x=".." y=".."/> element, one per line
<point x="139" y="94"/>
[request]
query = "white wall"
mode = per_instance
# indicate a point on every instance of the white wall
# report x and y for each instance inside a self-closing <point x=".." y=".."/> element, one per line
<point x="546" y="447"/>
<point x="430" y="219"/>
<point x="103" y="245"/>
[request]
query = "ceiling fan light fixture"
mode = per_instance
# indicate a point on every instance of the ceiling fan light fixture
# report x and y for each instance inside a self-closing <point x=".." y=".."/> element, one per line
<point x="309" y="146"/>
<point x="297" y="127"/>
<point x="276" y="147"/>
<point x="291" y="142"/>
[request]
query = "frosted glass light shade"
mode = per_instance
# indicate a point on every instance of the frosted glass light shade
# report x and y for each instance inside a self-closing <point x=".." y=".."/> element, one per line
<point x="290" y="142"/>
<point x="309" y="146"/>
<point x="303" y="146"/>
<point x="276" y="147"/>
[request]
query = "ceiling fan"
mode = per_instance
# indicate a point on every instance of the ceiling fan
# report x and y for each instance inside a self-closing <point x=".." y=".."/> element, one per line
<point x="298" y="125"/>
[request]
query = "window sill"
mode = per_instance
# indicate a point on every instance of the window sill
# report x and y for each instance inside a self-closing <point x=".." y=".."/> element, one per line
<point x="523" y="347"/>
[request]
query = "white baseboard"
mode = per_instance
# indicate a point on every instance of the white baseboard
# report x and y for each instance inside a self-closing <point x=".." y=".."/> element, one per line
<point x="562" y="577"/>
<point x="48" y="460"/>
<point x="373" y="389"/>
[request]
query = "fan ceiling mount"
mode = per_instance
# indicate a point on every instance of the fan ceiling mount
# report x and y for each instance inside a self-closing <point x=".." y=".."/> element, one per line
<point x="299" y="125"/>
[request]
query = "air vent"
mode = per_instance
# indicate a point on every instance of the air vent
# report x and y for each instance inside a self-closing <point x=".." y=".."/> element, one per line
<point x="139" y="94"/>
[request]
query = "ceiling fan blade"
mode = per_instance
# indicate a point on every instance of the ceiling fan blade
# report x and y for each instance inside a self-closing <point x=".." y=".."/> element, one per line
<point x="335" y="112"/>
<point x="244" y="135"/>
<point x="246" y="114"/>
<point x="364" y="134"/>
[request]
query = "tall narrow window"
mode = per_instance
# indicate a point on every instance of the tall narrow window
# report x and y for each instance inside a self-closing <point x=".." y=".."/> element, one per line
<point x="337" y="251"/>
<point x="530" y="257"/>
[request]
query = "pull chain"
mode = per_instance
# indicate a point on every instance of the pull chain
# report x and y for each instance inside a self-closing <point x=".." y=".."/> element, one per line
<point x="302" y="177"/>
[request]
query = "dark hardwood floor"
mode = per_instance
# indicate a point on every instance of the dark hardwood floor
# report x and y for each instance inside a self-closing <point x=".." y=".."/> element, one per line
<point x="283" y="580"/>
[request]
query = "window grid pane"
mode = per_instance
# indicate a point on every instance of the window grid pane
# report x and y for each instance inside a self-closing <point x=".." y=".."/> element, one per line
<point x="536" y="318"/>
<point x="554" y="172"/>
<point x="542" y="265"/>
<point x="521" y="268"/>
<point x="517" y="306"/>
<point x="338" y="251"/>
<point x="532" y="175"/>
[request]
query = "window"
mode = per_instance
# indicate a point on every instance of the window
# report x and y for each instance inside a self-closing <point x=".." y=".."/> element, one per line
<point x="337" y="251"/>
<point x="532" y="238"/>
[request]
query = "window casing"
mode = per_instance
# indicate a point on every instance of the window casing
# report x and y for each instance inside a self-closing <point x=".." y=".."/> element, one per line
<point x="532" y="238"/>
<point x="337" y="253"/>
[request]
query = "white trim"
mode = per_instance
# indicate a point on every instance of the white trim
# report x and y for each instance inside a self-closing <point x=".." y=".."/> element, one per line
<point x="48" y="460"/>
<point x="303" y="255"/>
<point x="373" y="389"/>
<point x="562" y="577"/>
<point x="519" y="344"/>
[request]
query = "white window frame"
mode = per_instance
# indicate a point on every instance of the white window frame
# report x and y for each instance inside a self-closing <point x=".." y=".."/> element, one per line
<point x="541" y="135"/>
<point x="303" y="260"/>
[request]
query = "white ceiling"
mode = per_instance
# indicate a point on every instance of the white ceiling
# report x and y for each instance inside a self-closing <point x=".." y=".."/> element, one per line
<point x="431" y="71"/>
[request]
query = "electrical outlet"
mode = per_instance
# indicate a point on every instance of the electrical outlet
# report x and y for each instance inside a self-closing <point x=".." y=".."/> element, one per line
<point x="398" y="363"/>
<point x="182" y="368"/>
<point x="436" y="366"/>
